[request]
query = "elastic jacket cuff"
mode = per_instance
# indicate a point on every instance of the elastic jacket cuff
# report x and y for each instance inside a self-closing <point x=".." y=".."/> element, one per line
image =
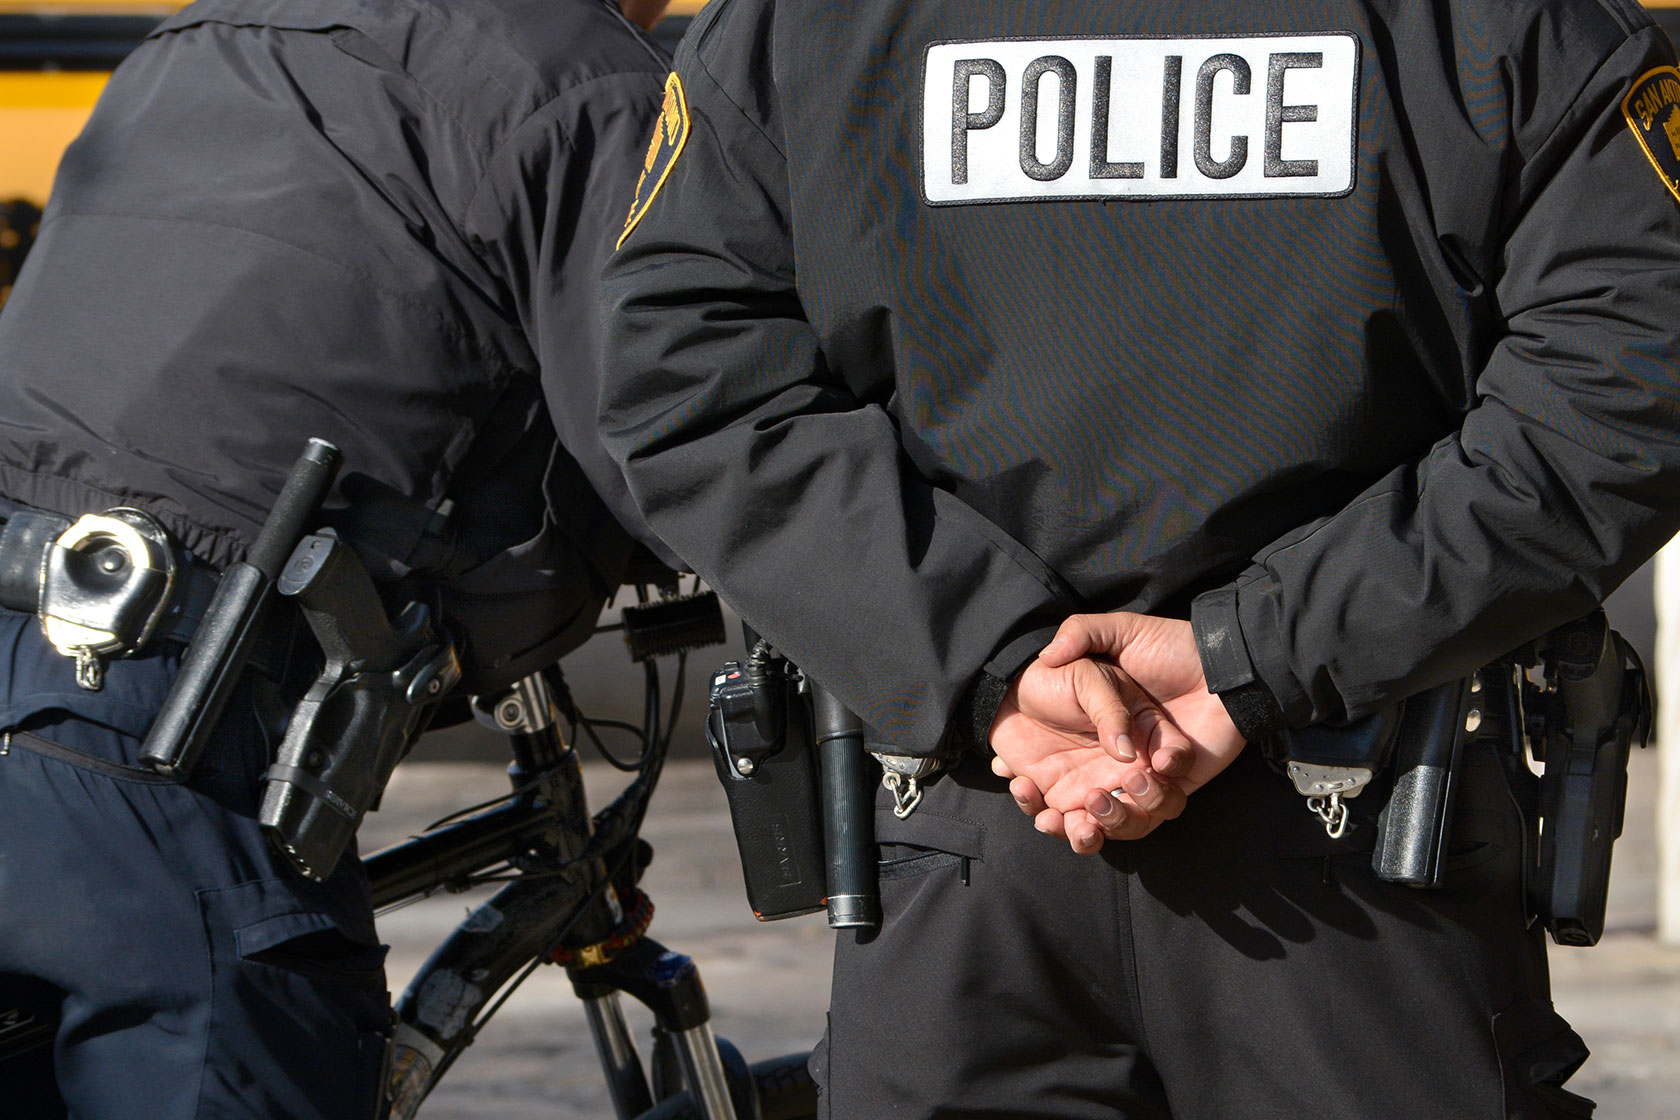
<point x="971" y="722"/>
<point x="1228" y="667"/>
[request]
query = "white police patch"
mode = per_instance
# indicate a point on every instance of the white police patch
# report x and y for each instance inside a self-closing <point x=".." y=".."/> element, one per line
<point x="1239" y="117"/>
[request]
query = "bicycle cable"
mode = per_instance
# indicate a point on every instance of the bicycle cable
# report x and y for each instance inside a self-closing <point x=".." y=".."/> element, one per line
<point x="545" y="956"/>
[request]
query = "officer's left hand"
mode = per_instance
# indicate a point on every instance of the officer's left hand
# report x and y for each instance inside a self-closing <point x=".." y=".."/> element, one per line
<point x="1066" y="730"/>
<point x="1190" y="735"/>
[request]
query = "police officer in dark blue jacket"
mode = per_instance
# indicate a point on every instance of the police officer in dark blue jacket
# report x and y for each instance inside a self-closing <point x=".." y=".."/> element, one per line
<point x="380" y="224"/>
<point x="1331" y="345"/>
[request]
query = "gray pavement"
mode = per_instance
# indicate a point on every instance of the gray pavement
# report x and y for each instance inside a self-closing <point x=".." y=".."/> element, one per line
<point x="769" y="982"/>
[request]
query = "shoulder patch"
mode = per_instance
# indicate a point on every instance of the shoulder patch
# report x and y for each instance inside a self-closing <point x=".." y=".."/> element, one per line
<point x="1652" y="109"/>
<point x="669" y="136"/>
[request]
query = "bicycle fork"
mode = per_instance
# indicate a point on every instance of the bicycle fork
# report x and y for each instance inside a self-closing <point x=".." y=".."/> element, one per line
<point x="668" y="984"/>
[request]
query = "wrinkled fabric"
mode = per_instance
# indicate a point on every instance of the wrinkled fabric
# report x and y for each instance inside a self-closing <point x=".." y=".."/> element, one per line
<point x="380" y="224"/>
<point x="190" y="972"/>
<point x="1410" y="426"/>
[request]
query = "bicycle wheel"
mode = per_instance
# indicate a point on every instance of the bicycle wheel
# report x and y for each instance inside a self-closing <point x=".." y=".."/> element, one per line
<point x="784" y="1086"/>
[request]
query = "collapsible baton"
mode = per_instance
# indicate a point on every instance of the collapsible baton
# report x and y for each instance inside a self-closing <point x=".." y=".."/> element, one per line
<point x="1420" y="741"/>
<point x="848" y="811"/>
<point x="222" y="644"/>
<point x="1414" y="828"/>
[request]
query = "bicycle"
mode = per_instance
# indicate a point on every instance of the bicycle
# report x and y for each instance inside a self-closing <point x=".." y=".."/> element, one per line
<point x="569" y="897"/>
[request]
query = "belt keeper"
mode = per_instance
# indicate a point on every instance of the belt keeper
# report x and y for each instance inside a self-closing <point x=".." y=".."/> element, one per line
<point x="24" y="540"/>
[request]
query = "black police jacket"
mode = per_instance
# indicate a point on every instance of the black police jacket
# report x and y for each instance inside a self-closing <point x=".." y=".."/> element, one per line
<point x="379" y="222"/>
<point x="1346" y="328"/>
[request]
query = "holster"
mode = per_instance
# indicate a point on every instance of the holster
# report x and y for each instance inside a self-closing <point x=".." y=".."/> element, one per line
<point x="1594" y="707"/>
<point x="800" y="790"/>
<point x="763" y="746"/>
<point x="379" y="684"/>
<point x="1597" y="706"/>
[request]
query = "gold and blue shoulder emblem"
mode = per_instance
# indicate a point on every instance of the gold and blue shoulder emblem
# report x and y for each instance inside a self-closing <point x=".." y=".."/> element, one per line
<point x="669" y="136"/>
<point x="1652" y="109"/>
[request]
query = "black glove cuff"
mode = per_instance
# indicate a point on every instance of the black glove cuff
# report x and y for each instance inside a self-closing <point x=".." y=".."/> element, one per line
<point x="1228" y="667"/>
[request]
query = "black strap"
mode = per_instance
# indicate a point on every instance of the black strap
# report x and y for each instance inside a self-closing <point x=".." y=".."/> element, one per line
<point x="309" y="783"/>
<point x="24" y="540"/>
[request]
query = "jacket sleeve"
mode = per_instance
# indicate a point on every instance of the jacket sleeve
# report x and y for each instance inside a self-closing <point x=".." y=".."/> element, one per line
<point x="758" y="464"/>
<point x="548" y="209"/>
<point x="1562" y="480"/>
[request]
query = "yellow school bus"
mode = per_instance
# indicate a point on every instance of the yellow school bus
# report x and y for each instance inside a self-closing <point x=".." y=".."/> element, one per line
<point x="41" y="110"/>
<point x="54" y="58"/>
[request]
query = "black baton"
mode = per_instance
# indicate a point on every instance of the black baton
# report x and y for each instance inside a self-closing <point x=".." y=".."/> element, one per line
<point x="1415" y="827"/>
<point x="848" y="811"/>
<point x="222" y="643"/>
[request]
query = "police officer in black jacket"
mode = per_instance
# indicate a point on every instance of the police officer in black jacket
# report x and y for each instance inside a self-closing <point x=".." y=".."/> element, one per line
<point x="381" y="224"/>
<point x="1332" y="344"/>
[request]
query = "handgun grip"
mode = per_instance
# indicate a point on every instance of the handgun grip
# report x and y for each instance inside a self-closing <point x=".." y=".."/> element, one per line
<point x="341" y="604"/>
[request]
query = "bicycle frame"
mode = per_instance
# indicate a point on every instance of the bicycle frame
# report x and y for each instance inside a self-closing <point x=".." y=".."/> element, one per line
<point x="572" y="901"/>
<point x="565" y="906"/>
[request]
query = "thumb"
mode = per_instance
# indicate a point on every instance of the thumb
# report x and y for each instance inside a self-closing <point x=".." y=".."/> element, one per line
<point x="1086" y="635"/>
<point x="1102" y="692"/>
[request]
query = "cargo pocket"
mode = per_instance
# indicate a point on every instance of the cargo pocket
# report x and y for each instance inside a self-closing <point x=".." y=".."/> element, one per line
<point x="1538" y="1052"/>
<point x="299" y="1009"/>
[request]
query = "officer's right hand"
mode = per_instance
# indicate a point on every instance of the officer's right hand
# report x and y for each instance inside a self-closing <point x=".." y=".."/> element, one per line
<point x="1064" y="731"/>
<point x="1156" y="704"/>
<point x="1158" y="656"/>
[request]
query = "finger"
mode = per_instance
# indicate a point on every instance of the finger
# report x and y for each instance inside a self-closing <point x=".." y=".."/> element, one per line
<point x="1027" y="796"/>
<point x="1084" y="834"/>
<point x="1139" y="823"/>
<point x="1173" y="758"/>
<point x="1103" y="692"/>
<point x="1109" y="812"/>
<point x="1084" y="634"/>
<point x="1122" y="818"/>
<point x="1125" y="820"/>
<point x="1001" y="768"/>
<point x="1171" y="805"/>
<point x="1168" y="749"/>
<point x="1049" y="822"/>
<point x="1145" y="791"/>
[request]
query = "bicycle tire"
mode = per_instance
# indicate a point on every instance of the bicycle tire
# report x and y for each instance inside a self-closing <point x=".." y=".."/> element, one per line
<point x="784" y="1086"/>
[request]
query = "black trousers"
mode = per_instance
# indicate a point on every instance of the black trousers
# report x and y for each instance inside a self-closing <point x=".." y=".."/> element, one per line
<point x="1237" y="964"/>
<point x="190" y="974"/>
